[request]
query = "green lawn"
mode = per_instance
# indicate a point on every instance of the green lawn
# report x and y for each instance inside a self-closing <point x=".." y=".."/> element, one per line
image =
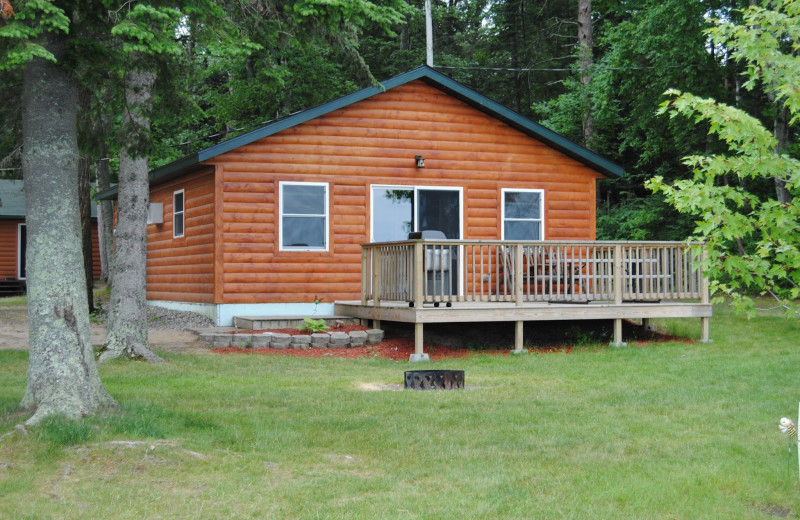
<point x="683" y="431"/>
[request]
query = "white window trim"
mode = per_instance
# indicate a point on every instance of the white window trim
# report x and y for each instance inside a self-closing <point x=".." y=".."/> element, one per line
<point x="503" y="211"/>
<point x="326" y="216"/>
<point x="182" y="214"/>
<point x="414" y="188"/>
<point x="19" y="251"/>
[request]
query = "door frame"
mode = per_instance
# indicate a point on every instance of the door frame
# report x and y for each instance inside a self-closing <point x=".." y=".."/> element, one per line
<point x="20" y="256"/>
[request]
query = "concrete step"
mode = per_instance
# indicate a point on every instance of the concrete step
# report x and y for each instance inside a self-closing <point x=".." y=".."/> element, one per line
<point x="288" y="322"/>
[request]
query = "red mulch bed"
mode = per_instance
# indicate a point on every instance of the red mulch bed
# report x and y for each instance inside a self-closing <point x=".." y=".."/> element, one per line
<point x="458" y="340"/>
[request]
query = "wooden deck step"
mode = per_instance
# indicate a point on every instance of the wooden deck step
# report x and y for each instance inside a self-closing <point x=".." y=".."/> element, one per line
<point x="289" y="322"/>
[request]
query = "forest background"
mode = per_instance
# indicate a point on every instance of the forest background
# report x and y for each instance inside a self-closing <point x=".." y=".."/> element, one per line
<point x="524" y="54"/>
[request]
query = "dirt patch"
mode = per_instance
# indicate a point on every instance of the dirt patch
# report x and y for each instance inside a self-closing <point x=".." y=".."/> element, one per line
<point x="14" y="334"/>
<point x="13" y="328"/>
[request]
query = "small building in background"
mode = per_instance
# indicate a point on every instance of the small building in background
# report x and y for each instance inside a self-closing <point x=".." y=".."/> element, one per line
<point x="13" y="236"/>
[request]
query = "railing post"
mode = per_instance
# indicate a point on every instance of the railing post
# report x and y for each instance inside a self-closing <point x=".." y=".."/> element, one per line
<point x="376" y="276"/>
<point x="618" y="294"/>
<point x="518" y="274"/>
<point x="364" y="274"/>
<point x="419" y="272"/>
<point x="618" y="274"/>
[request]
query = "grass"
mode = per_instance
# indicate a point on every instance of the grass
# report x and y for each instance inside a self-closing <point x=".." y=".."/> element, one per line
<point x="653" y="432"/>
<point x="14" y="301"/>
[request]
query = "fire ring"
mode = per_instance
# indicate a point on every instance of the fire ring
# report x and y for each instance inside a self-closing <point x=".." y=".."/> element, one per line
<point x="434" y="379"/>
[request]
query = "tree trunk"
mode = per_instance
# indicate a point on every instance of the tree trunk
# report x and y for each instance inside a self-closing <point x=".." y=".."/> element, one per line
<point x="781" y="132"/>
<point x="85" y="205"/>
<point x="585" y="49"/>
<point x="127" y="322"/>
<point x="105" y="208"/>
<point x="62" y="374"/>
<point x="105" y="219"/>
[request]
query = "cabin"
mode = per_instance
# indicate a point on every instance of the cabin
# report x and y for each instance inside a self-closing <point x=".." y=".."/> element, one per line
<point x="290" y="219"/>
<point x="13" y="238"/>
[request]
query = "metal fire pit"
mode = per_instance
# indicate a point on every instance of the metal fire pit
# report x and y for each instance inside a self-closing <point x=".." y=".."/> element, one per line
<point x="434" y="379"/>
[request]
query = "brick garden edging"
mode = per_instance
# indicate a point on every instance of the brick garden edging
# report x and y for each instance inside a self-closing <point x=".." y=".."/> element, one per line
<point x="356" y="338"/>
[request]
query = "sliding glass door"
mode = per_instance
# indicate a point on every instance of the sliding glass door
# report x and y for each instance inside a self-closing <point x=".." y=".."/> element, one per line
<point x="399" y="210"/>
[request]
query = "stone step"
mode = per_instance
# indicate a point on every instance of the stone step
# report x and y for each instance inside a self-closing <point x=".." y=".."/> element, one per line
<point x="288" y="322"/>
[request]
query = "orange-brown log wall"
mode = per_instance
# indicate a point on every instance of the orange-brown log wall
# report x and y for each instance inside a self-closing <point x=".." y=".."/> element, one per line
<point x="9" y="241"/>
<point x="182" y="269"/>
<point x="8" y="248"/>
<point x="374" y="142"/>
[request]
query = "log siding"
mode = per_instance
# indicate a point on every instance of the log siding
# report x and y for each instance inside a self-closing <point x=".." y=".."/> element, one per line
<point x="182" y="268"/>
<point x="372" y="141"/>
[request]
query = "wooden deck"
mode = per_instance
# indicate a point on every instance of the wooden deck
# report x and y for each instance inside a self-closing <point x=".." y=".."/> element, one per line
<point x="426" y="281"/>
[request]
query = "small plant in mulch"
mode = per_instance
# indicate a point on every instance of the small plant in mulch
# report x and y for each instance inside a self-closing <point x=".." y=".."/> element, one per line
<point x="312" y="325"/>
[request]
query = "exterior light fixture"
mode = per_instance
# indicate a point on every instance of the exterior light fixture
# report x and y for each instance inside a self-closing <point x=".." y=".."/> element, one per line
<point x="420" y="161"/>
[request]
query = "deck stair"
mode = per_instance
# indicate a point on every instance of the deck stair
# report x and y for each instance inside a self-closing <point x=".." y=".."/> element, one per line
<point x="288" y="322"/>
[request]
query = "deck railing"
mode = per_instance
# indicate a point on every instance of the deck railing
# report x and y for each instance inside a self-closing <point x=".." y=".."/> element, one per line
<point x="447" y="271"/>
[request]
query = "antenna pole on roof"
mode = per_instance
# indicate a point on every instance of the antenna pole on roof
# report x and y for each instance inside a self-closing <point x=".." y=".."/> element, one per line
<point x="429" y="33"/>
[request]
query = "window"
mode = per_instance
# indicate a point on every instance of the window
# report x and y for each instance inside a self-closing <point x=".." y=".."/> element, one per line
<point x="177" y="214"/>
<point x="523" y="214"/>
<point x="304" y="216"/>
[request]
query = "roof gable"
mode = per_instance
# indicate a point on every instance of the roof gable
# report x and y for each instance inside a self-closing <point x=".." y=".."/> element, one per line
<point x="423" y="73"/>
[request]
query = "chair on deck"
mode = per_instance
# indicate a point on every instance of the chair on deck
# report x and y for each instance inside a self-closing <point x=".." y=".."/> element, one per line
<point x="546" y="273"/>
<point x="438" y="261"/>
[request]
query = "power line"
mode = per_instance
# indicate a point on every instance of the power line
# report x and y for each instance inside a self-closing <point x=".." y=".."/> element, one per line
<point x="562" y="69"/>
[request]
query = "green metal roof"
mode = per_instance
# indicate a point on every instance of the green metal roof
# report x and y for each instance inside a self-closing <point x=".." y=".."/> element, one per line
<point x="12" y="200"/>
<point x="424" y="73"/>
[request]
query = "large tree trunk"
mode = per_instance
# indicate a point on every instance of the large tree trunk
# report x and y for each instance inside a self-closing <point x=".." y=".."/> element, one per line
<point x="585" y="49"/>
<point x="127" y="322"/>
<point x="105" y="208"/>
<point x="62" y="374"/>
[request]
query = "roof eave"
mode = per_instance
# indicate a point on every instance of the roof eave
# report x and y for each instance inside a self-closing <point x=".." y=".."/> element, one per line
<point x="163" y="174"/>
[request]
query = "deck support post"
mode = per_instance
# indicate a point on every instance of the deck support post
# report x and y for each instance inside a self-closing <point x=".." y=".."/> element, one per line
<point x="518" y="327"/>
<point x="376" y="324"/>
<point x="647" y="324"/>
<point x="618" y="334"/>
<point x="618" y="295"/>
<point x="418" y="355"/>
<point x="705" y="332"/>
<point x="705" y="297"/>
